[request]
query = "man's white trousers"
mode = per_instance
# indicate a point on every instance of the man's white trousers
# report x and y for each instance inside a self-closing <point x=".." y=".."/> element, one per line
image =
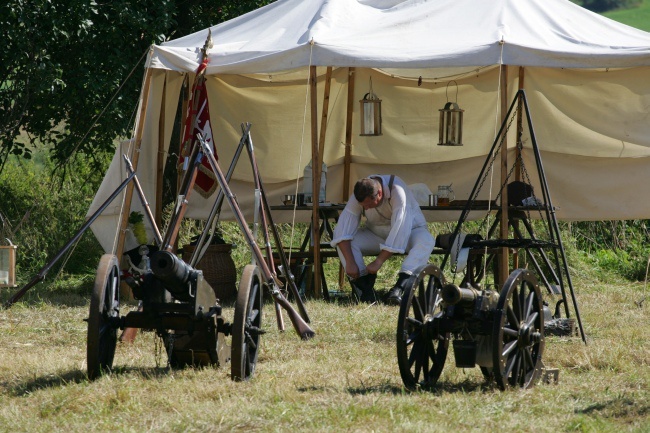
<point x="418" y="249"/>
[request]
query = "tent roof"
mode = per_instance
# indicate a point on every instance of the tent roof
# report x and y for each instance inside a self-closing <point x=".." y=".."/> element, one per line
<point x="289" y="34"/>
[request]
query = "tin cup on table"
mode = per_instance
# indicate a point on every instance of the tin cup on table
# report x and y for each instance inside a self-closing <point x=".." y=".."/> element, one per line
<point x="289" y="199"/>
<point x="433" y="199"/>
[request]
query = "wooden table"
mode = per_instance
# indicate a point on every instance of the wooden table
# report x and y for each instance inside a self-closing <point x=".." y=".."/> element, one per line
<point x="328" y="216"/>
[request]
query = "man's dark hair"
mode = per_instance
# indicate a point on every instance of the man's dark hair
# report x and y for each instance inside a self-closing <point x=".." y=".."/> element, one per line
<point x="366" y="187"/>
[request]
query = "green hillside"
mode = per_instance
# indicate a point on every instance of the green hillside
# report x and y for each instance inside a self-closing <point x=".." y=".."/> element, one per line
<point x="638" y="17"/>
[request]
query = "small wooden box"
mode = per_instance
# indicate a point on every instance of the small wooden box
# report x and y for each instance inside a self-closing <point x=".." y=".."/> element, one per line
<point x="8" y="266"/>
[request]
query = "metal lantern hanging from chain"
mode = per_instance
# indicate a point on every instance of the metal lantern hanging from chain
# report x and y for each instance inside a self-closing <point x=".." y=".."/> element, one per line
<point x="451" y="123"/>
<point x="370" y="114"/>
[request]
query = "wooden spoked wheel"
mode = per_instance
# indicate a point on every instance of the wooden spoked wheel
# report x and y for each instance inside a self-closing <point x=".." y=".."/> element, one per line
<point x="247" y="324"/>
<point x="104" y="308"/>
<point x="518" y="336"/>
<point x="421" y="345"/>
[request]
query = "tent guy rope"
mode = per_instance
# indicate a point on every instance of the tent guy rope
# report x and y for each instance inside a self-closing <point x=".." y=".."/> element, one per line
<point x="302" y="144"/>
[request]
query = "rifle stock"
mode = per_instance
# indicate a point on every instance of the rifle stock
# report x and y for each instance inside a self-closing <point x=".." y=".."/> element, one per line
<point x="278" y="316"/>
<point x="301" y="327"/>
<point x="128" y="335"/>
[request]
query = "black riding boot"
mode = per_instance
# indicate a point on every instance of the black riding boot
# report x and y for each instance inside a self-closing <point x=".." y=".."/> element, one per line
<point x="364" y="288"/>
<point x="394" y="295"/>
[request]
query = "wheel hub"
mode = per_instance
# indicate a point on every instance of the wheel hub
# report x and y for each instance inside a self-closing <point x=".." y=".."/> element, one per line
<point x="527" y="336"/>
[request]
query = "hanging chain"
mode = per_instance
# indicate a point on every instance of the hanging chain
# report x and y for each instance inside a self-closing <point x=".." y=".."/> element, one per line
<point x="486" y="173"/>
<point x="489" y="168"/>
<point x="159" y="345"/>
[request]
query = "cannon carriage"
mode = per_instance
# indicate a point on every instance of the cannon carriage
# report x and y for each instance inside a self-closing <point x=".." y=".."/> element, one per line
<point x="181" y="308"/>
<point x="492" y="317"/>
<point x="175" y="300"/>
<point x="500" y="331"/>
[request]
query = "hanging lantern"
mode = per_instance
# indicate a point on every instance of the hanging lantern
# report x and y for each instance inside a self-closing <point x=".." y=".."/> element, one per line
<point x="8" y="266"/>
<point x="451" y="123"/>
<point x="370" y="113"/>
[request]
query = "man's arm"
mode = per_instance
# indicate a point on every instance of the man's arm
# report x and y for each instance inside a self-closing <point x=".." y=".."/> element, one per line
<point x="351" y="268"/>
<point x="374" y="266"/>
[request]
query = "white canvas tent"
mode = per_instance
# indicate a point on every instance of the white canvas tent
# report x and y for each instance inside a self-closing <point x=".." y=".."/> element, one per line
<point x="587" y="81"/>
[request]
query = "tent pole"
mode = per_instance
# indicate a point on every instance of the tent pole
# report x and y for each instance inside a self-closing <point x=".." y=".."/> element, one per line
<point x="348" y="135"/>
<point x="317" y="175"/>
<point x="504" y="256"/>
<point x="520" y="127"/>
<point x="160" y="160"/>
<point x="323" y="120"/>
<point x="515" y="255"/>
<point x="184" y="108"/>
<point x="135" y="156"/>
<point x="315" y="166"/>
<point x="347" y="159"/>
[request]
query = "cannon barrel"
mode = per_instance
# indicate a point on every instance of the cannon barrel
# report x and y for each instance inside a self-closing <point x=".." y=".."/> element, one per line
<point x="452" y="294"/>
<point x="173" y="272"/>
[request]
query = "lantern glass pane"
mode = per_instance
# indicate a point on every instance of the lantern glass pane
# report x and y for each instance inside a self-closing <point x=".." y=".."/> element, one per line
<point x="451" y="127"/>
<point x="369" y="118"/>
<point x="4" y="266"/>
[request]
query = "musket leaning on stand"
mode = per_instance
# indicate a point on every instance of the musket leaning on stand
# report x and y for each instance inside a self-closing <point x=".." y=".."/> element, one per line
<point x="299" y="324"/>
<point x="268" y="222"/>
<point x="202" y="243"/>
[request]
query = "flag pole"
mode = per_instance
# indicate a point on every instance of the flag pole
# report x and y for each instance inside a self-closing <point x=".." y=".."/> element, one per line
<point x="169" y="241"/>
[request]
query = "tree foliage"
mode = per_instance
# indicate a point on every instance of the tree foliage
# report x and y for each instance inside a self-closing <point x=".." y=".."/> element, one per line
<point x="608" y="5"/>
<point x="70" y="70"/>
<point x="40" y="215"/>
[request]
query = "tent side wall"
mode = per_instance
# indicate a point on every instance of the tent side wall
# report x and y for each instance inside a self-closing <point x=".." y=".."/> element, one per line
<point x="106" y="225"/>
<point x="591" y="127"/>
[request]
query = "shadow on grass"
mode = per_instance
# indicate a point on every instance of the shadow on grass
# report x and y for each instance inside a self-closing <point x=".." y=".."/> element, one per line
<point x="57" y="299"/>
<point x="440" y="388"/>
<point x="35" y="299"/>
<point x="50" y="381"/>
<point x="622" y="408"/>
<point x="390" y="388"/>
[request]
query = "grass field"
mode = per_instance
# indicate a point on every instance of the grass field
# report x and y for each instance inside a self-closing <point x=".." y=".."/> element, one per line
<point x="345" y="379"/>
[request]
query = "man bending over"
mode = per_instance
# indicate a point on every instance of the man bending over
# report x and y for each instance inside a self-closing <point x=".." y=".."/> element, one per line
<point x="394" y="225"/>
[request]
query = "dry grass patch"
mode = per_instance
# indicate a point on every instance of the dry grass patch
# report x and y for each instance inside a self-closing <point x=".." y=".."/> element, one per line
<point x="345" y="379"/>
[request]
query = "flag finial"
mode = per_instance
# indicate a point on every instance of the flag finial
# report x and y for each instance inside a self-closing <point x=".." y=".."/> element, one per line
<point x="208" y="43"/>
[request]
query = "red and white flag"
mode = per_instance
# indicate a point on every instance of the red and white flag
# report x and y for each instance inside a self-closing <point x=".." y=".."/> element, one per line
<point x="198" y="122"/>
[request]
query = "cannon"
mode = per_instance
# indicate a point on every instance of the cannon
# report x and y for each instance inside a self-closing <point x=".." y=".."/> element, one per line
<point x="500" y="331"/>
<point x="494" y="317"/>
<point x="176" y="301"/>
<point x="181" y="307"/>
